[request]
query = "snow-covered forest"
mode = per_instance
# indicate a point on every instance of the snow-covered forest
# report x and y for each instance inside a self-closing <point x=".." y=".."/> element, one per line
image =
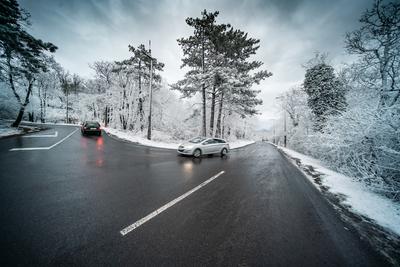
<point x="214" y="99"/>
<point x="349" y="116"/>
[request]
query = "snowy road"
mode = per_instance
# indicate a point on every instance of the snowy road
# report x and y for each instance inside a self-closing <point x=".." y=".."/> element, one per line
<point x="68" y="204"/>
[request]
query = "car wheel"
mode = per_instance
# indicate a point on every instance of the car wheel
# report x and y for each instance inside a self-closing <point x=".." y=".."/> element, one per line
<point x="224" y="151"/>
<point x="197" y="153"/>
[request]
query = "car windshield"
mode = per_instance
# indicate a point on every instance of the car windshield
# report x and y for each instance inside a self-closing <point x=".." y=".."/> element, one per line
<point x="197" y="140"/>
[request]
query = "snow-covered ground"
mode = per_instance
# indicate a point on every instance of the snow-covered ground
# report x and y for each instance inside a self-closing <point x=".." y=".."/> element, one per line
<point x="7" y="130"/>
<point x="240" y="143"/>
<point x="51" y="123"/>
<point x="129" y="136"/>
<point x="162" y="141"/>
<point x="361" y="199"/>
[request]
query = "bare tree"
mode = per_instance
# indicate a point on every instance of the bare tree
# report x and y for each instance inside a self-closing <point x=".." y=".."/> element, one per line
<point x="46" y="84"/>
<point x="294" y="102"/>
<point x="378" y="41"/>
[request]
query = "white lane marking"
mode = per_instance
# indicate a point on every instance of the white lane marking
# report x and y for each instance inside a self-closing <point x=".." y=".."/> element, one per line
<point x="29" y="148"/>
<point x="62" y="140"/>
<point x="138" y="223"/>
<point x="43" y="148"/>
<point x="41" y="135"/>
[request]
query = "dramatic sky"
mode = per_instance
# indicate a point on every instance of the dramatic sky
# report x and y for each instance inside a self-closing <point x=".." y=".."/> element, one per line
<point x="290" y="32"/>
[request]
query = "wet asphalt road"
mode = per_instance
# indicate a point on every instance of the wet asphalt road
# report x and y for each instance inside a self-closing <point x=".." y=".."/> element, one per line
<point x="67" y="205"/>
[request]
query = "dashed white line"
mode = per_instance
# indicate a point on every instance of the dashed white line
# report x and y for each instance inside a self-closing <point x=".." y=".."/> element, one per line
<point x="138" y="223"/>
<point x="41" y="135"/>
<point x="43" y="148"/>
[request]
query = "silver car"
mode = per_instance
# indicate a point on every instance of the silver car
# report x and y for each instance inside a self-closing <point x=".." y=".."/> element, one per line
<point x="204" y="146"/>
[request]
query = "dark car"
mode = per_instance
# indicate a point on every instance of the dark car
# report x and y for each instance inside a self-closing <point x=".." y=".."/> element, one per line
<point x="91" y="127"/>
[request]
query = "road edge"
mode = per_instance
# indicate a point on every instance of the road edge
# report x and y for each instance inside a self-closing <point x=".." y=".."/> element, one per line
<point x="382" y="240"/>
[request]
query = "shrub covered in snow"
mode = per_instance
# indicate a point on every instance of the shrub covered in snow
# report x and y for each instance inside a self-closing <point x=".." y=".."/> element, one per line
<point x="362" y="140"/>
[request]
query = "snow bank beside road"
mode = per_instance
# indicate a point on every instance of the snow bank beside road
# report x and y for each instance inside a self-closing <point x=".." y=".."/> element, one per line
<point x="129" y="136"/>
<point x="7" y="130"/>
<point x="168" y="144"/>
<point x="240" y="143"/>
<point x="361" y="199"/>
<point x="53" y="123"/>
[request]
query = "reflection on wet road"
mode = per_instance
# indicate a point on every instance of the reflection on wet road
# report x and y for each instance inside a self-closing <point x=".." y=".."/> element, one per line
<point x="67" y="206"/>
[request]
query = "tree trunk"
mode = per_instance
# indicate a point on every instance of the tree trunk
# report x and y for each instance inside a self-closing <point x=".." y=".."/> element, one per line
<point x="67" y="115"/>
<point x="106" y="116"/>
<point x="203" y="91"/>
<point x="219" y="119"/>
<point x="384" y="76"/>
<point x="41" y="111"/>
<point x="44" y="106"/>
<point x="22" y="108"/>
<point x="212" y="112"/>
<point x="40" y="94"/>
<point x="141" y="114"/>
<point x="204" y="128"/>
<point x="150" y="98"/>
<point x="94" y="112"/>
<point x="123" y="120"/>
<point x="31" y="116"/>
<point x="140" y="100"/>
<point x="223" y="129"/>
<point x="19" y="117"/>
<point x="123" y="108"/>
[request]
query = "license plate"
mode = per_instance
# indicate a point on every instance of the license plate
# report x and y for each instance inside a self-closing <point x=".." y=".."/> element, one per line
<point x="93" y="128"/>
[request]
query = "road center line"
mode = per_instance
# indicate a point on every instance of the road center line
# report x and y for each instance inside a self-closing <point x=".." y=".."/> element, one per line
<point x="43" y="148"/>
<point x="138" y="223"/>
<point x="41" y="135"/>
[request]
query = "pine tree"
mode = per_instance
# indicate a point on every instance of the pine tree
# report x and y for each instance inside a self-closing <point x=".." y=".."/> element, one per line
<point x="197" y="50"/>
<point x="239" y="73"/>
<point x="218" y="56"/>
<point x="326" y="93"/>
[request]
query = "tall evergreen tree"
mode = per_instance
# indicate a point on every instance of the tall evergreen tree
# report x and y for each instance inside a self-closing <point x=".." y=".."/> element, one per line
<point x="241" y="73"/>
<point x="197" y="49"/>
<point x="326" y="93"/>
<point x="218" y="57"/>
<point x="21" y="54"/>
